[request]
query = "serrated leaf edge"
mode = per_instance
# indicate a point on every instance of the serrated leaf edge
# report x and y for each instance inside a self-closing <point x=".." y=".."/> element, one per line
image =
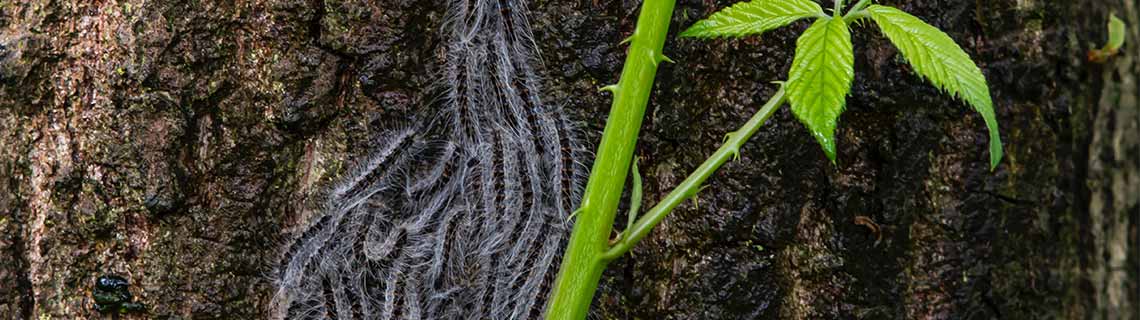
<point x="758" y="23"/>
<point x="938" y="66"/>
<point x="806" y="112"/>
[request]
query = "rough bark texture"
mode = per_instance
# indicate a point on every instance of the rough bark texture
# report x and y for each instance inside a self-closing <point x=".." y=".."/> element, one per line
<point x="177" y="143"/>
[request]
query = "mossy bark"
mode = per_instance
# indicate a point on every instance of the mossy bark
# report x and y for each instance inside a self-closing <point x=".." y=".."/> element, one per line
<point x="178" y="143"/>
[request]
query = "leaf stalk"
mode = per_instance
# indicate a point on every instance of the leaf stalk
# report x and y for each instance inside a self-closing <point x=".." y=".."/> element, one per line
<point x="638" y="230"/>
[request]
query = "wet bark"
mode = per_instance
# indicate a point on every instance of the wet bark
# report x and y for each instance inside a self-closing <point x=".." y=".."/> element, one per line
<point x="179" y="143"/>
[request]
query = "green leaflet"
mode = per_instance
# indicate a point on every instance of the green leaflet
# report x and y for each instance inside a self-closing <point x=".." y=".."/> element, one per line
<point x="822" y="72"/>
<point x="821" y="77"/>
<point x="1115" y="33"/>
<point x="937" y="58"/>
<point x="753" y="17"/>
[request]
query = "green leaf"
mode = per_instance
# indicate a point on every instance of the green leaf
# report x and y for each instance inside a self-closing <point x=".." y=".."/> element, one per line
<point x="753" y="17"/>
<point x="937" y="58"/>
<point x="1115" y="33"/>
<point x="820" y="79"/>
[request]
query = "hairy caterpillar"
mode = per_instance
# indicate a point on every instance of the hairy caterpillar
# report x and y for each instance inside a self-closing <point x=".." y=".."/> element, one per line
<point x="461" y="216"/>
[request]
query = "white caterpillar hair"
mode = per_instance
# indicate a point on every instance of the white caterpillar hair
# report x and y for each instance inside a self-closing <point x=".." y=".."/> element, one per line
<point x="460" y="216"/>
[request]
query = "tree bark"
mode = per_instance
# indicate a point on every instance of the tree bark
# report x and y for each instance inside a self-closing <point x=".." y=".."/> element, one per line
<point x="180" y="143"/>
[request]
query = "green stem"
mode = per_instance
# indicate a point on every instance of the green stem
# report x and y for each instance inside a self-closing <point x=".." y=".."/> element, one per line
<point x="838" y="8"/>
<point x="582" y="264"/>
<point x="688" y="188"/>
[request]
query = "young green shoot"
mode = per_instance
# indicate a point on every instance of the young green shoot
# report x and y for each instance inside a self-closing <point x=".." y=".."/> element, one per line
<point x="1115" y="41"/>
<point x="819" y="81"/>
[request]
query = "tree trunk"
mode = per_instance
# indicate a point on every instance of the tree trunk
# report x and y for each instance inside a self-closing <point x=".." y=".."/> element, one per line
<point x="178" y="144"/>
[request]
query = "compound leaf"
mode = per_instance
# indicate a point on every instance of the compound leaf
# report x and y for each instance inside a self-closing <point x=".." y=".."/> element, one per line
<point x="820" y="79"/>
<point x="753" y="17"/>
<point x="940" y="60"/>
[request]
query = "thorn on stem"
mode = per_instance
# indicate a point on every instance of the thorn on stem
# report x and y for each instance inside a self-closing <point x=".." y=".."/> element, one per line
<point x="628" y="39"/>
<point x="694" y="197"/>
<point x="735" y="149"/>
<point x="653" y="56"/>
<point x="573" y="214"/>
